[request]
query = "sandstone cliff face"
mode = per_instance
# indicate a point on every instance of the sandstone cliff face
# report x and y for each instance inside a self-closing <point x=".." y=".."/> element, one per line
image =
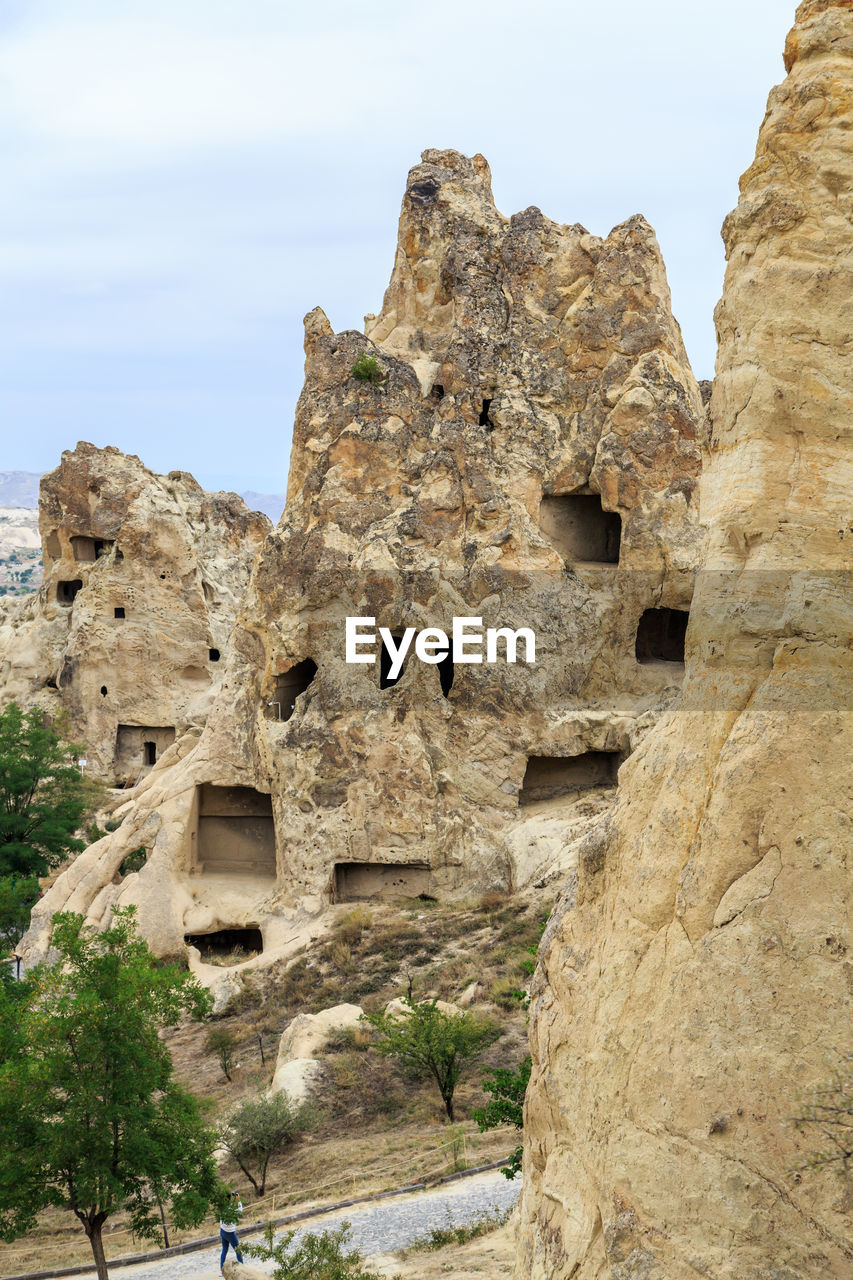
<point x="696" y="975"/>
<point x="131" y="630"/>
<point x="530" y="457"/>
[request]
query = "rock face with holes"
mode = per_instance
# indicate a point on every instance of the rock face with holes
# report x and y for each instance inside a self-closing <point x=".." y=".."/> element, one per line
<point x="695" y="981"/>
<point x="131" y="628"/>
<point x="522" y="448"/>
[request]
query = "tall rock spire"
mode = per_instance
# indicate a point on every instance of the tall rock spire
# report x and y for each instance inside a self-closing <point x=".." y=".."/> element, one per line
<point x="694" y="982"/>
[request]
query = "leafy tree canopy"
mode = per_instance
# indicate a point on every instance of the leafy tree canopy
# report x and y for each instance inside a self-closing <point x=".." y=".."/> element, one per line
<point x="257" y="1130"/>
<point x="433" y="1042"/>
<point x="91" y="1119"/>
<point x="507" y="1088"/>
<point x="43" y="795"/>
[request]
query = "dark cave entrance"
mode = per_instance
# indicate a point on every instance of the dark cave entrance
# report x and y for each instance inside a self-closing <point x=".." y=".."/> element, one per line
<point x="290" y="685"/>
<point x="580" y="529"/>
<point x="549" y="777"/>
<point x="661" y="636"/>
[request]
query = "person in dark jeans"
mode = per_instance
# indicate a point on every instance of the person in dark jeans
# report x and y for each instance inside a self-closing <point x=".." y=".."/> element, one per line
<point x="228" y="1230"/>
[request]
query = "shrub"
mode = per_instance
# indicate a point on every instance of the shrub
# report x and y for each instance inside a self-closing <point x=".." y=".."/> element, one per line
<point x="258" y="1129"/>
<point x="133" y="861"/>
<point x="221" y="1043"/>
<point x="507" y="1105"/>
<point x="368" y="369"/>
<point x="316" y="1257"/>
<point x="432" y="1043"/>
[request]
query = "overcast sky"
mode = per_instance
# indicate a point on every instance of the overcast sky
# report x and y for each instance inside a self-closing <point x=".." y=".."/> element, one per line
<point x="182" y="180"/>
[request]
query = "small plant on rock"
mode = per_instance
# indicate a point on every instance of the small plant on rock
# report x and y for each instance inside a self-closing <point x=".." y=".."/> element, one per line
<point x="368" y="369"/>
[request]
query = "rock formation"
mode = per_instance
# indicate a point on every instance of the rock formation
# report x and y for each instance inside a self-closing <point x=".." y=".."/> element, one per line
<point x="131" y="630"/>
<point x="525" y="451"/>
<point x="696" y="975"/>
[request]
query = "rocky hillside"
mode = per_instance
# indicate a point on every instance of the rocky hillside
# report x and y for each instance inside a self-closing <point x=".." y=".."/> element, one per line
<point x="20" y="550"/>
<point x="130" y="632"/>
<point x="515" y="439"/>
<point x="694" y="985"/>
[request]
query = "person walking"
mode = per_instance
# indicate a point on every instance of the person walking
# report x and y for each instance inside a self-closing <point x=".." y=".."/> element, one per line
<point x="228" y="1230"/>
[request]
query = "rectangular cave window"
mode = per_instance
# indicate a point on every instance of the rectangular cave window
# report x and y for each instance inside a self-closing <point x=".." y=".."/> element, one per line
<point x="236" y="831"/>
<point x="580" y="529"/>
<point x="355" y="881"/>
<point x="118" y="612"/>
<point x="661" y="635"/>
<point x="83" y="549"/>
<point x="289" y="686"/>
<point x="550" y="777"/>
<point x="67" y="590"/>
<point x="137" y="748"/>
<point x="227" y="945"/>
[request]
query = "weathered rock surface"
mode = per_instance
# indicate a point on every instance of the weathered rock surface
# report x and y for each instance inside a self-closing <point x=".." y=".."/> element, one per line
<point x="131" y="629"/>
<point x="696" y="977"/>
<point x="307" y="1034"/>
<point x="530" y="457"/>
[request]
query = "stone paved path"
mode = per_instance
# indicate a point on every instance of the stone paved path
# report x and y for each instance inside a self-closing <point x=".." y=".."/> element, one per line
<point x="376" y="1228"/>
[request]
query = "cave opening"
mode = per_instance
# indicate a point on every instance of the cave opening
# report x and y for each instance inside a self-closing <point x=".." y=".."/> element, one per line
<point x="580" y="529"/>
<point x="66" y="590"/>
<point x="355" y="881"/>
<point x="118" y="612"/>
<point x="290" y="685"/>
<point x="550" y="777"/>
<point x="235" y="945"/>
<point x="213" y="654"/>
<point x="236" y="831"/>
<point x="446" y="673"/>
<point x="138" y="747"/>
<point x="484" y="419"/>
<point x="661" y="636"/>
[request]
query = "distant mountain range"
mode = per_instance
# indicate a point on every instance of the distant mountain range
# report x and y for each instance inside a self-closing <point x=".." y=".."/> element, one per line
<point x="21" y="489"/>
<point x="272" y="504"/>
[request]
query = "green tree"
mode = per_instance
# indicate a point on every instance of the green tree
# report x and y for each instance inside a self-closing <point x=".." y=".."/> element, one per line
<point x="257" y="1130"/>
<point x="17" y="896"/>
<point x="43" y="795"/>
<point x="507" y="1088"/>
<point x="433" y="1043"/>
<point x="316" y="1257"/>
<point x="221" y="1042"/>
<point x="91" y="1119"/>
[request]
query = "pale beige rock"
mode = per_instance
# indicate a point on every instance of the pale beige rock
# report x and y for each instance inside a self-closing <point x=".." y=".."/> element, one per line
<point x="297" y="1078"/>
<point x="234" y="1270"/>
<point x="695" y="978"/>
<point x="397" y="1008"/>
<point x="172" y="559"/>
<point x="307" y="1034"/>
<point x="534" y="375"/>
